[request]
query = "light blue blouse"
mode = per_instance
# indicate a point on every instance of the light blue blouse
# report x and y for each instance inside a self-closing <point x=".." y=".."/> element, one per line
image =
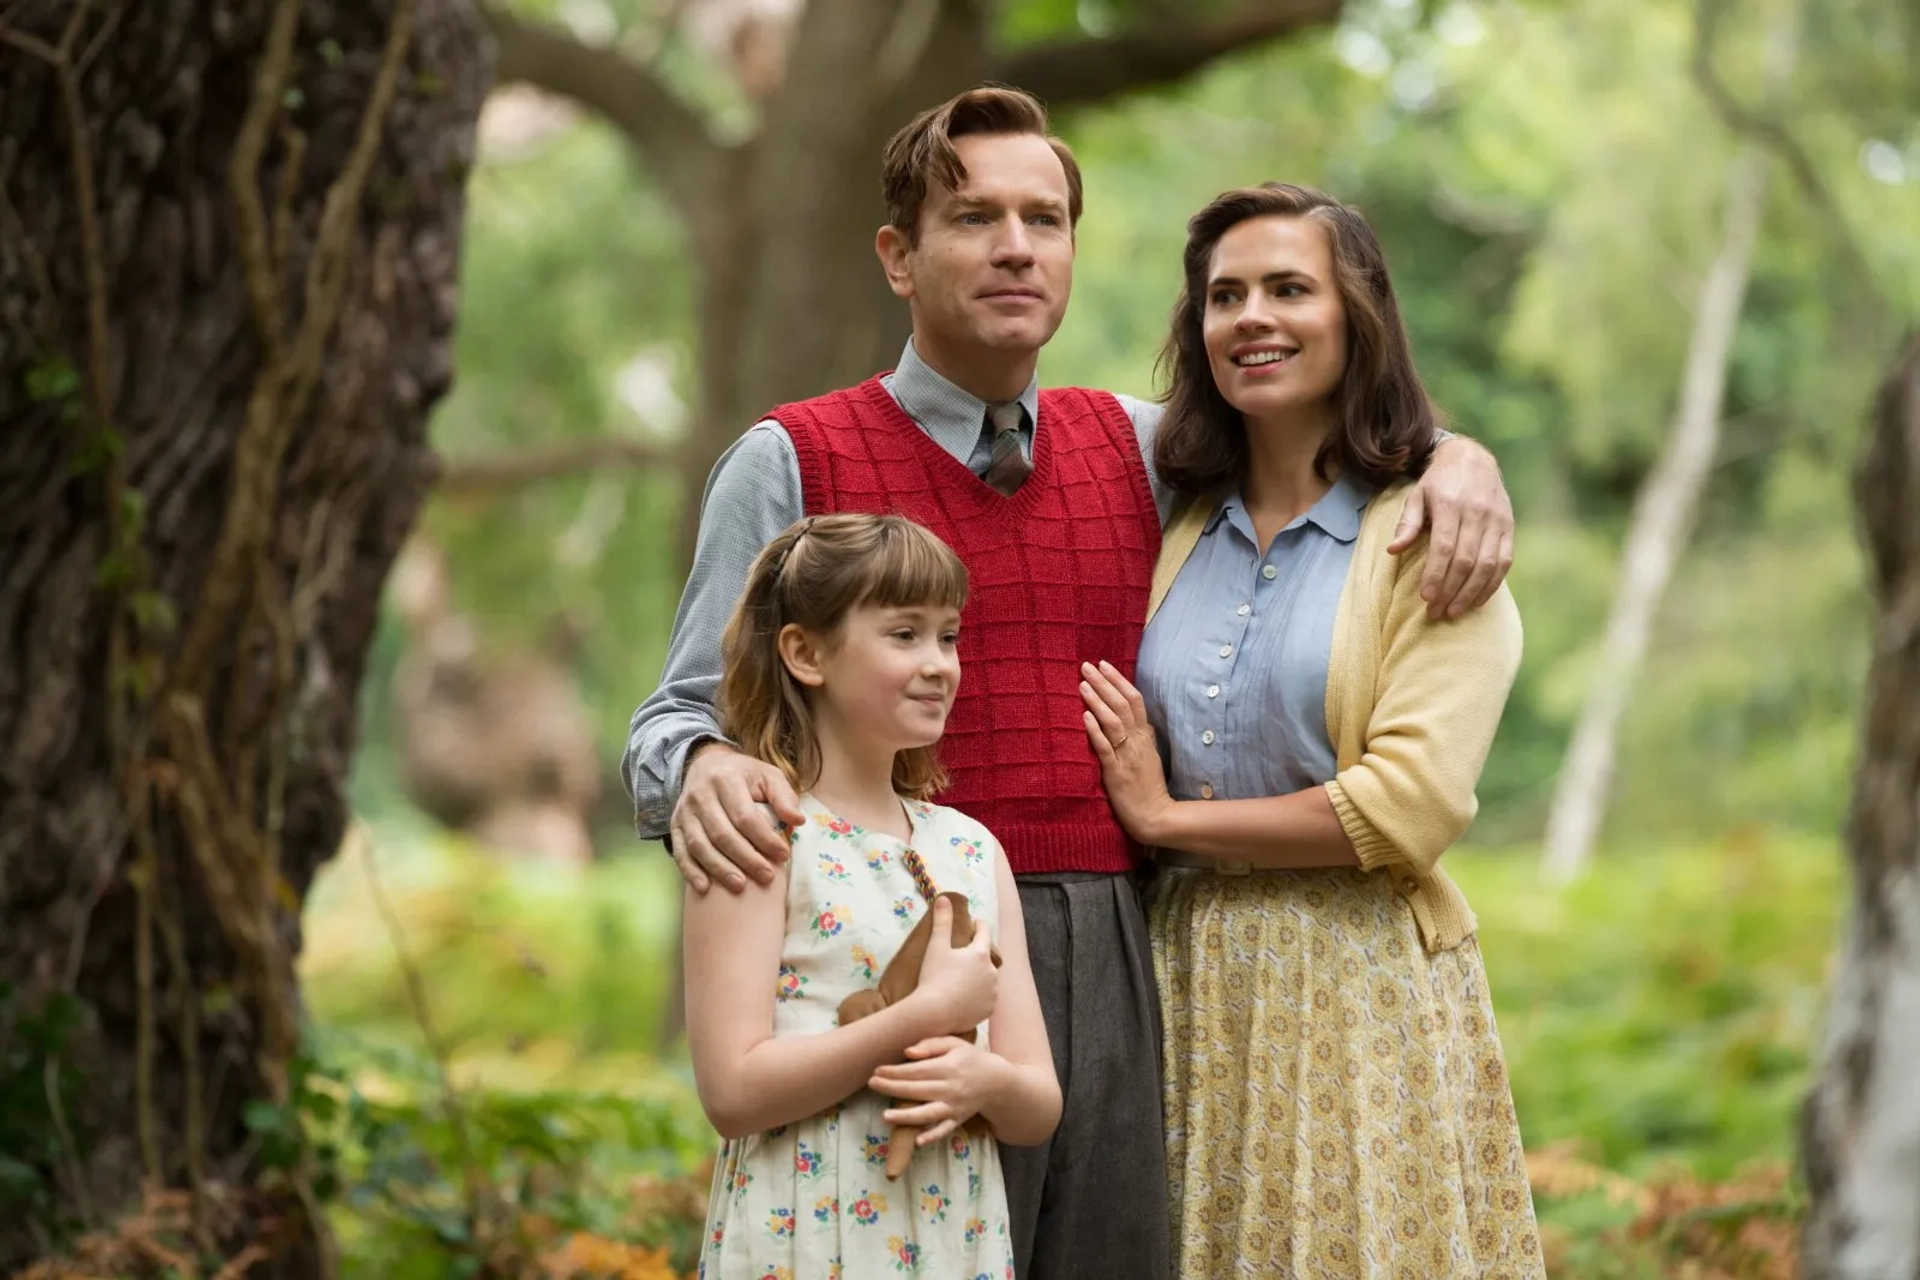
<point x="1233" y="667"/>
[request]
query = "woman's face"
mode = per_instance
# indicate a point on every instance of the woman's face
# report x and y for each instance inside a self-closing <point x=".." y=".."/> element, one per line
<point x="1274" y="325"/>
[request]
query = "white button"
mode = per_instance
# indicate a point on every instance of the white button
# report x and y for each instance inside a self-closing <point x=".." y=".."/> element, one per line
<point x="1206" y="791"/>
<point x="1268" y="572"/>
<point x="1207" y="737"/>
<point x="1243" y="610"/>
<point x="1213" y="691"/>
<point x="1226" y="651"/>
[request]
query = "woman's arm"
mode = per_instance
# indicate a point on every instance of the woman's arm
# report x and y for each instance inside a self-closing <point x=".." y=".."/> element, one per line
<point x="1297" y="831"/>
<point x="1439" y="695"/>
<point x="1442" y="689"/>
<point x="946" y="1081"/>
<point x="750" y="1081"/>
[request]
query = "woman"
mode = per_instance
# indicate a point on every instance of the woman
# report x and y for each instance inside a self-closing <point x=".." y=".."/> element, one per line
<point x="1337" y="1102"/>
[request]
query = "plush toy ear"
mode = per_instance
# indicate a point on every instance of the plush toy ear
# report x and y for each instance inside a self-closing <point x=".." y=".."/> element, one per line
<point x="902" y="973"/>
<point x="966" y="928"/>
<point x="861" y="1004"/>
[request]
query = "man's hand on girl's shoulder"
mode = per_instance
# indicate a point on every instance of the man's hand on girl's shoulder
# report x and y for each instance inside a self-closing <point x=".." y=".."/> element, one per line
<point x="727" y="823"/>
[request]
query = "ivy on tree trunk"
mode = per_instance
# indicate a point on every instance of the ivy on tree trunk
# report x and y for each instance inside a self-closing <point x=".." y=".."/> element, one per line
<point x="229" y="247"/>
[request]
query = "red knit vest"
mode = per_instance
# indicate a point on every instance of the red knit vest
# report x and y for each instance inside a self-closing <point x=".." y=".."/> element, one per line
<point x="1059" y="574"/>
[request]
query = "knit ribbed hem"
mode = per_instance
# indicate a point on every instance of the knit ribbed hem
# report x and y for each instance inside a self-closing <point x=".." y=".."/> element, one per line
<point x="1442" y="913"/>
<point x="1041" y="847"/>
<point x="1373" y="849"/>
<point x="1439" y="908"/>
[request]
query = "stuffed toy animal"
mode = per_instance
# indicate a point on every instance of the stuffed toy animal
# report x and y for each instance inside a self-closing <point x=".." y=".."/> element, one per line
<point x="901" y="976"/>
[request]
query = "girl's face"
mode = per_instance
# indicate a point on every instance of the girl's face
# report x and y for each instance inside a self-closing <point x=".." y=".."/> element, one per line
<point x="1274" y="325"/>
<point x="886" y="676"/>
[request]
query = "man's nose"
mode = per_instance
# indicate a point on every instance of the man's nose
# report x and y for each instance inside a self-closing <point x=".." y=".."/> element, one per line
<point x="1014" y="247"/>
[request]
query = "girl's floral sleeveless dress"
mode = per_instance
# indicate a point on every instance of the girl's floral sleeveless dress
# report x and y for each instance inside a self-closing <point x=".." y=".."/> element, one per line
<point x="812" y="1201"/>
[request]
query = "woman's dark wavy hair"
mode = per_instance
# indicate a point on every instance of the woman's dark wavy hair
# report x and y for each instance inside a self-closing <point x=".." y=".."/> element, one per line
<point x="1385" y="424"/>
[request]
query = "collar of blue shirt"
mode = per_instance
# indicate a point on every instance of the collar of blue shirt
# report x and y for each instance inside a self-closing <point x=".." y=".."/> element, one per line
<point x="1337" y="514"/>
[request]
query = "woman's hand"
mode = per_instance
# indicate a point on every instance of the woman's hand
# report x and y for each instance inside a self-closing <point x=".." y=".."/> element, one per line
<point x="1117" y="726"/>
<point x="946" y="1080"/>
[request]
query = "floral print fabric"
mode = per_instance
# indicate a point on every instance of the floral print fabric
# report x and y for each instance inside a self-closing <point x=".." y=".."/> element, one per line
<point x="1337" y="1101"/>
<point x="812" y="1201"/>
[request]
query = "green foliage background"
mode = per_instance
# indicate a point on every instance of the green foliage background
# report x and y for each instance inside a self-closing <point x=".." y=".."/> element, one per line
<point x="1548" y="216"/>
<point x="1547" y="181"/>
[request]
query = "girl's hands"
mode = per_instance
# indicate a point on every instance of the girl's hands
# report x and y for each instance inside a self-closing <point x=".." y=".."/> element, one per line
<point x="946" y="1081"/>
<point x="959" y="986"/>
<point x="1117" y="726"/>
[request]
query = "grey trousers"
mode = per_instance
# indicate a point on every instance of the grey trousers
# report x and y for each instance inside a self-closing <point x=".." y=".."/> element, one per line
<point x="1092" y="1200"/>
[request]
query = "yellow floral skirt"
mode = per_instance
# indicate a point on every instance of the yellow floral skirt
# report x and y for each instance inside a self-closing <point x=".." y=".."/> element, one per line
<point x="1336" y="1099"/>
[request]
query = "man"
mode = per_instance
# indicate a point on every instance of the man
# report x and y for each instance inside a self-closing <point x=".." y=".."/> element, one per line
<point x="1050" y="500"/>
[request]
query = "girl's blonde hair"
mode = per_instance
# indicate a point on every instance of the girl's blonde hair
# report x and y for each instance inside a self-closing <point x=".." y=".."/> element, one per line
<point x="813" y="575"/>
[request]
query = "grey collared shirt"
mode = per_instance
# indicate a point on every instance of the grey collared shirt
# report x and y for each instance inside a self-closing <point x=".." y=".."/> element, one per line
<point x="753" y="494"/>
<point x="1233" y="667"/>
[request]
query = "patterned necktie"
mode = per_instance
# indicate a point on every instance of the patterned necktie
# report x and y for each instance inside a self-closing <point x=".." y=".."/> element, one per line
<point x="1007" y="467"/>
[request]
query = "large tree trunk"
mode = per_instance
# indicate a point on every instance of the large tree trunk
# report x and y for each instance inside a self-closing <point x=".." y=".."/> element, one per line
<point x="228" y="255"/>
<point x="1860" y="1130"/>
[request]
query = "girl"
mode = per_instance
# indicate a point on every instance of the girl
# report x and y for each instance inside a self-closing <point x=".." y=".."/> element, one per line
<point x="840" y="670"/>
<point x="1337" y="1104"/>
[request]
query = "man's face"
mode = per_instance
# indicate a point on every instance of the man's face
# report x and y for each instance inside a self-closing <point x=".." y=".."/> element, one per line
<point x="993" y="265"/>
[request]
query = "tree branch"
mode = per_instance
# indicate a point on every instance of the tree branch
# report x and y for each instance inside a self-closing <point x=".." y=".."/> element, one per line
<point x="620" y="91"/>
<point x="476" y="477"/>
<point x="1079" y="72"/>
<point x="1772" y="134"/>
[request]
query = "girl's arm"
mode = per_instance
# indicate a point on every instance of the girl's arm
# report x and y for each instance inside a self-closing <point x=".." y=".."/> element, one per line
<point x="946" y="1081"/>
<point x="748" y="1080"/>
<point x="1026" y="1106"/>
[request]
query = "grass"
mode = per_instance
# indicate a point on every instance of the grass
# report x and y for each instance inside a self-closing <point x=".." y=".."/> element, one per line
<point x="1657" y="1017"/>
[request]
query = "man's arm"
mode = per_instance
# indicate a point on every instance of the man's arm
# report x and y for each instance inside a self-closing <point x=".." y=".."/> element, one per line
<point x="1145" y="416"/>
<point x="1470" y="548"/>
<point x="753" y="494"/>
<point x="1462" y="498"/>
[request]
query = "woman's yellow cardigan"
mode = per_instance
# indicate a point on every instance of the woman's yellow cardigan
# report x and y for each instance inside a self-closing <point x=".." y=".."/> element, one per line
<point x="1412" y="707"/>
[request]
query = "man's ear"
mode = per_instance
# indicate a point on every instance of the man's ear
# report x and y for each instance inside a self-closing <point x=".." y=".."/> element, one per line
<point x="800" y="653"/>
<point x="894" y="249"/>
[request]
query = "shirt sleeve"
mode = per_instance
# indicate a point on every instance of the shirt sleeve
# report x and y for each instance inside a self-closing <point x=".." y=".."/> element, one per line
<point x="1145" y="416"/>
<point x="753" y="494"/>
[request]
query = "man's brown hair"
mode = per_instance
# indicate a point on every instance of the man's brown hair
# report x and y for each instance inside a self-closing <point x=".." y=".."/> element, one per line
<point x="922" y="152"/>
<point x="1385" y="425"/>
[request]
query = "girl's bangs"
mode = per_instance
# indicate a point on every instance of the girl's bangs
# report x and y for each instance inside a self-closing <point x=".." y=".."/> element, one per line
<point x="911" y="567"/>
